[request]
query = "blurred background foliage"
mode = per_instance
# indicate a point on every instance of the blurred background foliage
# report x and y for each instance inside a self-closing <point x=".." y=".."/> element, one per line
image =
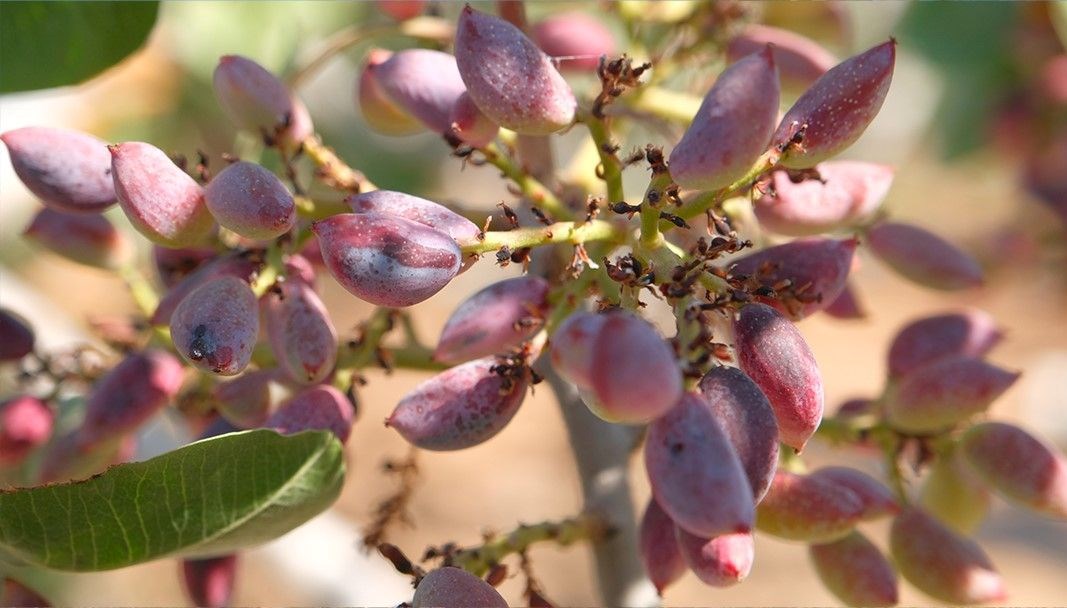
<point x="974" y="123"/>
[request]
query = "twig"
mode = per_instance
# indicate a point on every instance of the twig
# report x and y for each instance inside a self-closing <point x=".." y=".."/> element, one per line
<point x="560" y="232"/>
<point x="333" y="170"/>
<point x="478" y="560"/>
<point x="602" y="453"/>
<point x="529" y="186"/>
<point x="426" y="28"/>
<point x="394" y="507"/>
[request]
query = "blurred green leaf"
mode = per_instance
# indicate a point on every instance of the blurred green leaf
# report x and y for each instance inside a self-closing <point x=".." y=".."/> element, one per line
<point x="970" y="42"/>
<point x="1058" y="14"/>
<point x="51" y="44"/>
<point x="210" y="497"/>
<point x="271" y="33"/>
<point x="954" y="34"/>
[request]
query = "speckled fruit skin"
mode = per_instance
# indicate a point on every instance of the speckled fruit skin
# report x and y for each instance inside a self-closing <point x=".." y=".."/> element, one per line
<point x="381" y="113"/>
<point x="722" y="561"/>
<point x="942" y="394"/>
<point x="251" y="201"/>
<point x="253" y="98"/>
<point x="16" y="337"/>
<point x="68" y="170"/>
<point x="774" y="354"/>
<point x="423" y="83"/>
<point x="846" y="194"/>
<point x="215" y="327"/>
<point x="470" y="124"/>
<point x="128" y="395"/>
<point x="800" y="60"/>
<point x="658" y="547"/>
<point x="509" y="78"/>
<point x="572" y="347"/>
<point x="1020" y="467"/>
<point x="625" y="368"/>
<point x="578" y="39"/>
<point x="969" y="332"/>
<point x="161" y="201"/>
<point x="86" y="239"/>
<point x="808" y="509"/>
<point x="838" y="107"/>
<point x="460" y="407"/>
<point x="491" y="321"/>
<point x="942" y="564"/>
<point x="320" y="407"/>
<point x="450" y="587"/>
<point x="25" y="424"/>
<point x="245" y="401"/>
<point x="234" y="265"/>
<point x="732" y="127"/>
<point x="634" y="375"/>
<point x="695" y="474"/>
<point x="744" y="413"/>
<point x="386" y="259"/>
<point x="416" y="209"/>
<point x="923" y="257"/>
<point x="878" y="500"/>
<point x="820" y="264"/>
<point x="209" y="581"/>
<point x="301" y="335"/>
<point x="855" y="571"/>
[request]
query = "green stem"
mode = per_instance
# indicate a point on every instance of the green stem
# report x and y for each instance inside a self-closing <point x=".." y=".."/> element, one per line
<point x="319" y="209"/>
<point x="273" y="268"/>
<point x="669" y="105"/>
<point x="363" y="354"/>
<point x="560" y="232"/>
<point x="889" y="441"/>
<point x="707" y="200"/>
<point x="528" y="185"/>
<point x="335" y="170"/>
<point x="414" y="358"/>
<point x="478" y="560"/>
<point x="655" y="195"/>
<point x="567" y="298"/>
<point x="144" y="295"/>
<point x="611" y="168"/>
<point x="790" y="461"/>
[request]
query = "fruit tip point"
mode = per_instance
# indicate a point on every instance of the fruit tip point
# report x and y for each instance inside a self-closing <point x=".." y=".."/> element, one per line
<point x="768" y="53"/>
<point x="377" y="56"/>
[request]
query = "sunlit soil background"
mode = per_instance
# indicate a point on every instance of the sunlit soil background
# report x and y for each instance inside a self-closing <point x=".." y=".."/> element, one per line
<point x="526" y="473"/>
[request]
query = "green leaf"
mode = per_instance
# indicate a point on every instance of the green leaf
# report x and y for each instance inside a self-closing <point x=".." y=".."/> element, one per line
<point x="51" y="44"/>
<point x="970" y="43"/>
<point x="211" y="497"/>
